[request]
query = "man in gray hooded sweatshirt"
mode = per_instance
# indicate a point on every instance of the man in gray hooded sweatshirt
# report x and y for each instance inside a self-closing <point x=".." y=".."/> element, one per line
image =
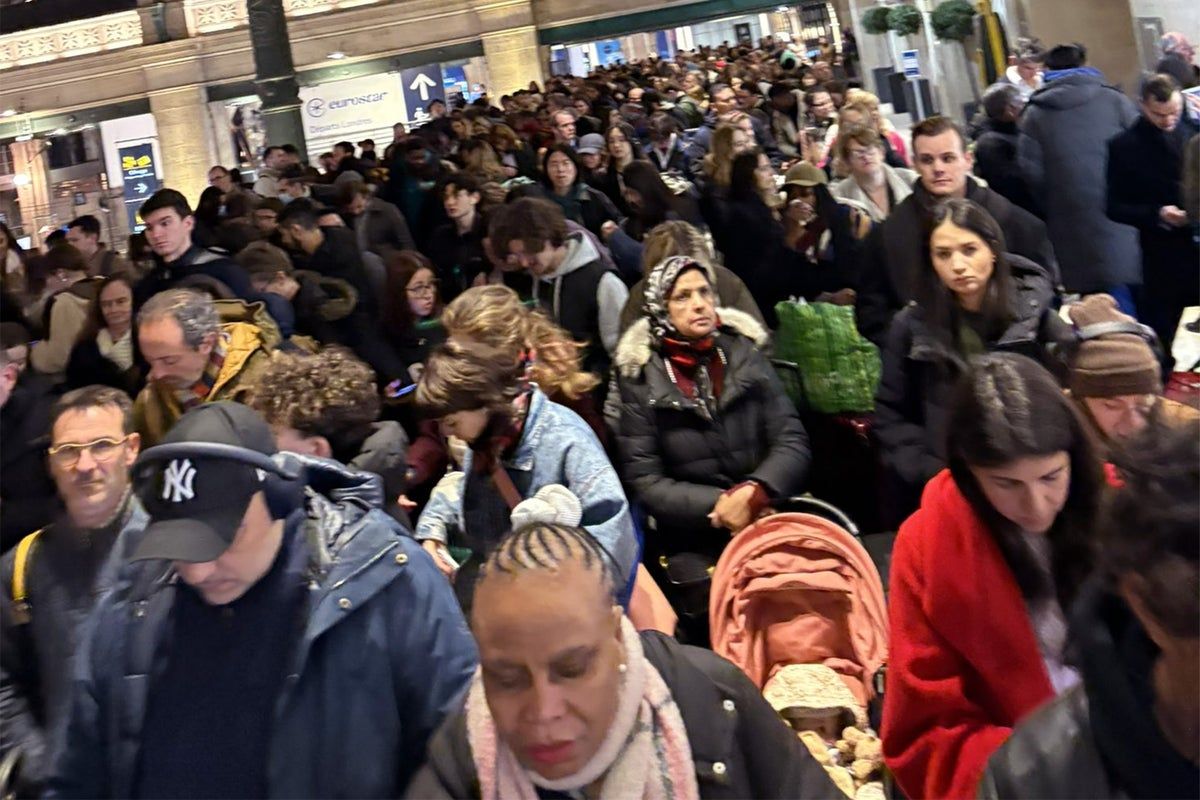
<point x="572" y="281"/>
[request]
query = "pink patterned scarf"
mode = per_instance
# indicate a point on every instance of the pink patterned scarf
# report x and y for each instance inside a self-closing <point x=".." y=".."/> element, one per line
<point x="644" y="755"/>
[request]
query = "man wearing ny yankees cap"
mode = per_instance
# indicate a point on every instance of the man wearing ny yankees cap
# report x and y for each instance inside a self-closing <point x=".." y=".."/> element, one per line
<point x="277" y="634"/>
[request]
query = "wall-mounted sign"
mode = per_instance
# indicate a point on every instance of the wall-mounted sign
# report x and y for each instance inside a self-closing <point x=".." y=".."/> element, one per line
<point x="140" y="177"/>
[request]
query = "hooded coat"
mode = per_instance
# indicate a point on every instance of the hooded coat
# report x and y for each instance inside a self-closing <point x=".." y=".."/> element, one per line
<point x="382" y="655"/>
<point x="677" y="463"/>
<point x="252" y="337"/>
<point x="919" y="373"/>
<point x="1063" y="150"/>
<point x="895" y="253"/>
<point x="585" y="297"/>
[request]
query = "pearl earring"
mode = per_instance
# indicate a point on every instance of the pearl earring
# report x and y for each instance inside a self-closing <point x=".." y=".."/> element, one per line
<point x="622" y="668"/>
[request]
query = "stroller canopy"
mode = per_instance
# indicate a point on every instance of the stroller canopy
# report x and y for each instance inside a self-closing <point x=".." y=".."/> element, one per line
<point x="799" y="589"/>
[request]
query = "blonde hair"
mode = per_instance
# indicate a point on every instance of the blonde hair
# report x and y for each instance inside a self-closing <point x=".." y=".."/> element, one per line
<point x="861" y="97"/>
<point x="674" y="238"/>
<point x="718" y="164"/>
<point x="495" y="316"/>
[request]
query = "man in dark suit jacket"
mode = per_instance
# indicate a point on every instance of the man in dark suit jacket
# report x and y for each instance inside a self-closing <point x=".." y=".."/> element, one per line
<point x="897" y="250"/>
<point x="1145" y="167"/>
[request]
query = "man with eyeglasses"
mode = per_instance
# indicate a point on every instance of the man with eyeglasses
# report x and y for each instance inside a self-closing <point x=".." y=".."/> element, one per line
<point x="52" y="578"/>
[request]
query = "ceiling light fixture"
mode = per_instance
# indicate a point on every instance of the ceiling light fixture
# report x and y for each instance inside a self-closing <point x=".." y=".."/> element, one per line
<point x="336" y="55"/>
<point x="8" y="112"/>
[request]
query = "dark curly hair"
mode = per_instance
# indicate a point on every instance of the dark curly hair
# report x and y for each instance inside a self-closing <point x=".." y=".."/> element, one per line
<point x="330" y="394"/>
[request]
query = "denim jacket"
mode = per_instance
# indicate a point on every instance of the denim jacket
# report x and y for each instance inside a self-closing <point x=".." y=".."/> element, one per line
<point x="557" y="446"/>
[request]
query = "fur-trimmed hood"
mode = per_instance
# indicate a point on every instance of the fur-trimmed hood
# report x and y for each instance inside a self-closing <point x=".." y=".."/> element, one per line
<point x="636" y="344"/>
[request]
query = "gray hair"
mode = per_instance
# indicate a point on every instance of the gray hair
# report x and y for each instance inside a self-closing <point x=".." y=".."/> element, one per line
<point x="195" y="312"/>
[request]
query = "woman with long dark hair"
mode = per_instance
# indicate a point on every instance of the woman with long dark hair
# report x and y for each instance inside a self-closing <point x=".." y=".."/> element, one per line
<point x="981" y="575"/>
<point x="412" y="308"/>
<point x="622" y="149"/>
<point x="972" y="299"/>
<point x="562" y="177"/>
<point x="651" y="202"/>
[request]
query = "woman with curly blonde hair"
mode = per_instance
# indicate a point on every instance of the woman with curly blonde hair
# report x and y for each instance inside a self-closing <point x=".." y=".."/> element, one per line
<point x="495" y="316"/>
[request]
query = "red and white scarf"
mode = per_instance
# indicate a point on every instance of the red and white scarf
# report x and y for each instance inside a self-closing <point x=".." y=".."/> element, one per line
<point x="644" y="755"/>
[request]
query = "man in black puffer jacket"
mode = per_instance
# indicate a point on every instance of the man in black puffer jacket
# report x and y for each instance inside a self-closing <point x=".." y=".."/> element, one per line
<point x="1129" y="729"/>
<point x="897" y="251"/>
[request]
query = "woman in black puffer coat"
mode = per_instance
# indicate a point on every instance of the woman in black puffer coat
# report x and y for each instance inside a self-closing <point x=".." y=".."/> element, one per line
<point x="708" y="438"/>
<point x="974" y="298"/>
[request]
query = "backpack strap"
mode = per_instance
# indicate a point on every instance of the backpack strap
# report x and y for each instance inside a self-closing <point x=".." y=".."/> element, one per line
<point x="20" y="576"/>
<point x="505" y="486"/>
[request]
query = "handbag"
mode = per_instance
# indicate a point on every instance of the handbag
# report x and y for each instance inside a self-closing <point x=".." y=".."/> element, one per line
<point x="689" y="580"/>
<point x="839" y="370"/>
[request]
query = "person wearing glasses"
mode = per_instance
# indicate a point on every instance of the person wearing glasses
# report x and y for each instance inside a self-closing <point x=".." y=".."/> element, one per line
<point x="411" y="310"/>
<point x="873" y="185"/>
<point x="51" y="580"/>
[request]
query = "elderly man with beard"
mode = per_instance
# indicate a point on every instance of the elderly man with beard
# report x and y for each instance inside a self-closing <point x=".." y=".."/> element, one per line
<point x="53" y="577"/>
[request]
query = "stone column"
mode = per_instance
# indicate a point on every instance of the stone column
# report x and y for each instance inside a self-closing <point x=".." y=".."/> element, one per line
<point x="275" y="76"/>
<point x="33" y="190"/>
<point x="510" y="45"/>
<point x="1104" y="27"/>
<point x="184" y="139"/>
<point x="512" y="60"/>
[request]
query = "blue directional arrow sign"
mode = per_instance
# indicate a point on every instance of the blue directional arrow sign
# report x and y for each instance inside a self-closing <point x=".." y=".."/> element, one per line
<point x="138" y="172"/>
<point x="422" y="85"/>
<point x="140" y="178"/>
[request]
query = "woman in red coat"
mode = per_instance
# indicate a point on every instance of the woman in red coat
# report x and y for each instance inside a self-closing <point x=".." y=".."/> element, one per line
<point x="981" y="574"/>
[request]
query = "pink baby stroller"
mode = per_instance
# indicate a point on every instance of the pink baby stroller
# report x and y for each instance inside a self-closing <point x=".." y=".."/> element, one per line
<point x="796" y="588"/>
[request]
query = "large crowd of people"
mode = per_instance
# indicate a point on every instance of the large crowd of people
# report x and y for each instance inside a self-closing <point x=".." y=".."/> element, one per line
<point x="409" y="471"/>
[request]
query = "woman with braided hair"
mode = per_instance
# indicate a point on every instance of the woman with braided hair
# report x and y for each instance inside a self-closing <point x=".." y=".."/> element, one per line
<point x="981" y="575"/>
<point x="570" y="701"/>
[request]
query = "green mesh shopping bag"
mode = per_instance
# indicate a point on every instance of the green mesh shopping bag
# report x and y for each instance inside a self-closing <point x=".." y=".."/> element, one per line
<point x="838" y="368"/>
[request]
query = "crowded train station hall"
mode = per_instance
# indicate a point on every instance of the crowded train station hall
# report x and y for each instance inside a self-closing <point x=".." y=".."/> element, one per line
<point x="600" y="400"/>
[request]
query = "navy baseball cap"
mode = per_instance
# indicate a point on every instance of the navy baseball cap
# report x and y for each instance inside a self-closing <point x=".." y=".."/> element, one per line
<point x="196" y="502"/>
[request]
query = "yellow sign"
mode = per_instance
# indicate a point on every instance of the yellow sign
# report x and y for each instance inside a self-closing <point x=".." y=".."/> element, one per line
<point x="129" y="162"/>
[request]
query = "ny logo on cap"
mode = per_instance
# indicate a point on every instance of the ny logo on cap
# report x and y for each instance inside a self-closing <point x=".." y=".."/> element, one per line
<point x="177" y="481"/>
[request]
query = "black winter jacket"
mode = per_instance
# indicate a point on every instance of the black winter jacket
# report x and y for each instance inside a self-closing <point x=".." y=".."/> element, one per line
<point x="196" y="261"/>
<point x="64" y="573"/>
<point x="28" y="499"/>
<point x="1100" y="739"/>
<point x="677" y="463"/>
<point x="919" y="373"/>
<point x="458" y="259"/>
<point x="740" y="746"/>
<point x="895" y="252"/>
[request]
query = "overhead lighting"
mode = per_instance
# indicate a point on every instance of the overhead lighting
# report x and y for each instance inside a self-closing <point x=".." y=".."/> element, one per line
<point x="336" y="55"/>
<point x="59" y="132"/>
<point x="24" y="137"/>
<point x="8" y="112"/>
<point x="21" y="179"/>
